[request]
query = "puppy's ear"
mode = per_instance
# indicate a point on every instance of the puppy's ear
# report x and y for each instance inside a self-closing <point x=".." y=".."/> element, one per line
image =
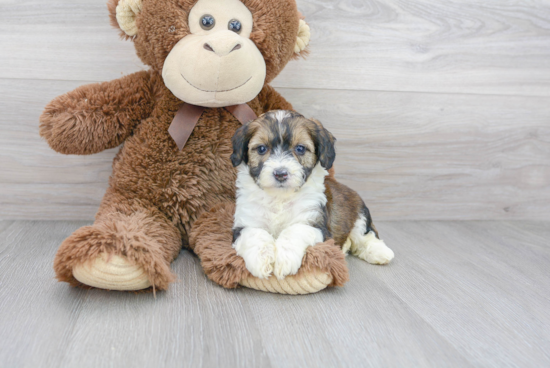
<point x="324" y="145"/>
<point x="240" y="145"/>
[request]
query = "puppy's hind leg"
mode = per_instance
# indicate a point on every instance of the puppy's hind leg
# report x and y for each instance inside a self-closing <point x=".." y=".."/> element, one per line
<point x="365" y="243"/>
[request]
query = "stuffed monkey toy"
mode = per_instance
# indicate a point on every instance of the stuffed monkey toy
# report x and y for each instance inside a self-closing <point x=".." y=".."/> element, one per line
<point x="173" y="183"/>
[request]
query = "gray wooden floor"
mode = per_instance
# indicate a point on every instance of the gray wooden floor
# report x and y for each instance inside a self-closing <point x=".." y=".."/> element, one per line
<point x="458" y="294"/>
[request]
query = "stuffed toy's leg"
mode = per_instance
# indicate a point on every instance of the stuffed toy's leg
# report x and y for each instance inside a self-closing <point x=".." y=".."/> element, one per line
<point x="211" y="238"/>
<point x="129" y="247"/>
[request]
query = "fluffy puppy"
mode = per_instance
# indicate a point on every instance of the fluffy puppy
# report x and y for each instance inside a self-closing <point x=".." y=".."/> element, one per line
<point x="286" y="202"/>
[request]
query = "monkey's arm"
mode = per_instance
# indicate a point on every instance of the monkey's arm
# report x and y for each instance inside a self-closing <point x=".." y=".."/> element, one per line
<point x="95" y="117"/>
<point x="272" y="100"/>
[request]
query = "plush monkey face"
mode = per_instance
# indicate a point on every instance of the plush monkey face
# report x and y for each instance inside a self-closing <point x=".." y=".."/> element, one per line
<point x="217" y="64"/>
<point x="213" y="53"/>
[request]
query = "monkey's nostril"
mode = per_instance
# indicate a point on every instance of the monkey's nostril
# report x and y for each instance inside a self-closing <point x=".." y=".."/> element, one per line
<point x="238" y="46"/>
<point x="280" y="175"/>
<point x="208" y="47"/>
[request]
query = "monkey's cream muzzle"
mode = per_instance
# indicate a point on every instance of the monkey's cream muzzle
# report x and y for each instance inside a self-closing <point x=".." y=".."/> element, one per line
<point x="215" y="70"/>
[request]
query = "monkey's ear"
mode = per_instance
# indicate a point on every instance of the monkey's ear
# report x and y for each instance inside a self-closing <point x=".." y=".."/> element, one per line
<point x="123" y="15"/>
<point x="240" y="145"/>
<point x="302" y="38"/>
<point x="324" y="145"/>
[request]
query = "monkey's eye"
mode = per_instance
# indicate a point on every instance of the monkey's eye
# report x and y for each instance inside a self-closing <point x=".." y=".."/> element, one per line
<point x="300" y="150"/>
<point x="234" y="25"/>
<point x="262" y="150"/>
<point x="207" y="22"/>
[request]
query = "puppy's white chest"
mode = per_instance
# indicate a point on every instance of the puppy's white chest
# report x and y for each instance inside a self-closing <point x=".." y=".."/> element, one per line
<point x="276" y="211"/>
<point x="280" y="215"/>
<point x="274" y="214"/>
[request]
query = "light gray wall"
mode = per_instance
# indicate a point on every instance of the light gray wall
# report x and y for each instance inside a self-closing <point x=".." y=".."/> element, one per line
<point x="441" y="108"/>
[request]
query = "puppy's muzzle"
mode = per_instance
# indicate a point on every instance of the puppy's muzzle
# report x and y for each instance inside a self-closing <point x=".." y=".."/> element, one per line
<point x="280" y="175"/>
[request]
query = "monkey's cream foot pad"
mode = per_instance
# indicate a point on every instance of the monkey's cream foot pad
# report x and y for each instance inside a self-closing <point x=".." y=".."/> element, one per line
<point x="112" y="273"/>
<point x="307" y="283"/>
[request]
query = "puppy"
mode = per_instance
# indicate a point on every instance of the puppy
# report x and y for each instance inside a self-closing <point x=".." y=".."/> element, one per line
<point x="286" y="202"/>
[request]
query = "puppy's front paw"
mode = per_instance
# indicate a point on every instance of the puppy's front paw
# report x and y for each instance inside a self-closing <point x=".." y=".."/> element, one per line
<point x="287" y="262"/>
<point x="257" y="248"/>
<point x="260" y="263"/>
<point x="291" y="247"/>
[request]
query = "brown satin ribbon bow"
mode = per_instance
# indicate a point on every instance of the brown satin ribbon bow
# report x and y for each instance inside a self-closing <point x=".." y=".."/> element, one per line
<point x="188" y="116"/>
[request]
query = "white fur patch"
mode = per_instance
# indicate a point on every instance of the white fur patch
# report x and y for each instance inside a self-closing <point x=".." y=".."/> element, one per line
<point x="347" y="246"/>
<point x="280" y="115"/>
<point x="367" y="246"/>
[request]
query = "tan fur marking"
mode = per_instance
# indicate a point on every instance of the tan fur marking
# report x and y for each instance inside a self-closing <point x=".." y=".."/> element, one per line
<point x="344" y="206"/>
<point x="302" y="135"/>
<point x="261" y="136"/>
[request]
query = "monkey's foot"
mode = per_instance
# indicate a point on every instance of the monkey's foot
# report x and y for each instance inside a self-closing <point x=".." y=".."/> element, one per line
<point x="112" y="273"/>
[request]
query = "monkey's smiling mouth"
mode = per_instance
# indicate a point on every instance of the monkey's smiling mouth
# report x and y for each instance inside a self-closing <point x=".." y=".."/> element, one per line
<point x="225" y="90"/>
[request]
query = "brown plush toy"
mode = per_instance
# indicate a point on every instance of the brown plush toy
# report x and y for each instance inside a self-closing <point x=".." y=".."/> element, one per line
<point x="173" y="183"/>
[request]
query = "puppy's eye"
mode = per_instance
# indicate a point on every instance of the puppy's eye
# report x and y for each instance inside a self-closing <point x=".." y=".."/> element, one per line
<point x="262" y="150"/>
<point x="234" y="25"/>
<point x="300" y="150"/>
<point x="207" y="22"/>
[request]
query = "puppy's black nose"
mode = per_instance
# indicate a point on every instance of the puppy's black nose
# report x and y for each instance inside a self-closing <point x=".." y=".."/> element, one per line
<point x="280" y="175"/>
